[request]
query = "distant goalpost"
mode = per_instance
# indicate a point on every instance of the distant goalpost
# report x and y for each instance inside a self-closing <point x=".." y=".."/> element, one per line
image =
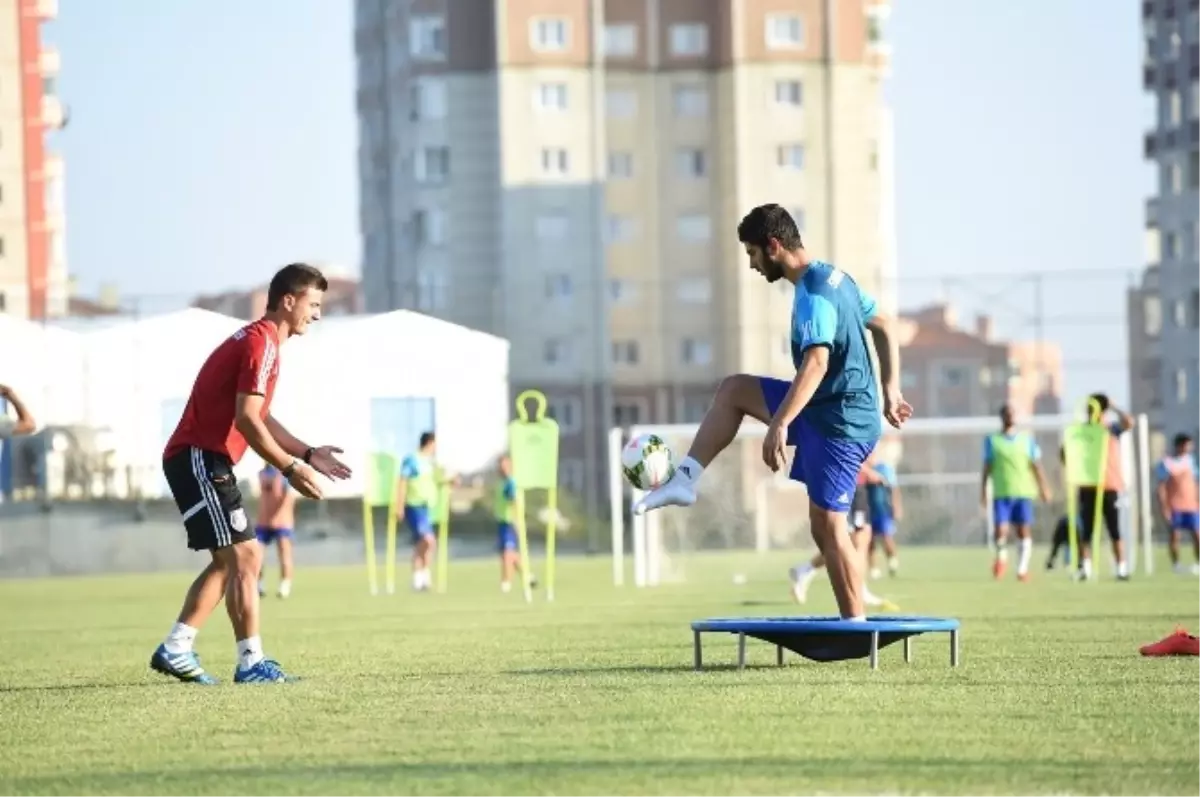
<point x="744" y="507"/>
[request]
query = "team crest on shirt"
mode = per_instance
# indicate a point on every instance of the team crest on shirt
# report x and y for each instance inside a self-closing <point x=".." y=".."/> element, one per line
<point x="237" y="519"/>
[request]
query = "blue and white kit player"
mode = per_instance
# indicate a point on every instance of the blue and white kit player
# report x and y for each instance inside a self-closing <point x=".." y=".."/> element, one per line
<point x="830" y="412"/>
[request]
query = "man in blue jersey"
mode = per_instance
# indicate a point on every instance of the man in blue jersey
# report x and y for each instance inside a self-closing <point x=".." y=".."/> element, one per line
<point x="883" y="510"/>
<point x="830" y="411"/>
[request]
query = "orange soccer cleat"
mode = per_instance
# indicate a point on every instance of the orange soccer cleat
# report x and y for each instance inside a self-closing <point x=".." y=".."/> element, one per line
<point x="998" y="568"/>
<point x="1180" y="643"/>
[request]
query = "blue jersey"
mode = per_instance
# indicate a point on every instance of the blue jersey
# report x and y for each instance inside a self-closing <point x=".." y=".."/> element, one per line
<point x="879" y="496"/>
<point x="830" y="310"/>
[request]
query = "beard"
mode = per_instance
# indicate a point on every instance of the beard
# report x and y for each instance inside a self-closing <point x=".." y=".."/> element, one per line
<point x="772" y="270"/>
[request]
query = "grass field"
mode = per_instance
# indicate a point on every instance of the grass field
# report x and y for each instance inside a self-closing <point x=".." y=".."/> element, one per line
<point x="475" y="692"/>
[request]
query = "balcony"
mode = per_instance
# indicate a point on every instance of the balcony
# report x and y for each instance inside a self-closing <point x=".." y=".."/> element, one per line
<point x="1147" y="9"/>
<point x="1152" y="212"/>
<point x="1148" y="77"/>
<point x="54" y="115"/>
<point x="47" y="10"/>
<point x="1150" y="145"/>
<point x="49" y="62"/>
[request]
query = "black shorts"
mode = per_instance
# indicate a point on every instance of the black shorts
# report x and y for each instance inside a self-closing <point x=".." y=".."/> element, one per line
<point x="1109" y="515"/>
<point x="859" y="519"/>
<point x="207" y="494"/>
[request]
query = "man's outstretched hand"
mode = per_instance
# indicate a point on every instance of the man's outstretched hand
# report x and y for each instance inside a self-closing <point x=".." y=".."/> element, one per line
<point x="895" y="409"/>
<point x="324" y="462"/>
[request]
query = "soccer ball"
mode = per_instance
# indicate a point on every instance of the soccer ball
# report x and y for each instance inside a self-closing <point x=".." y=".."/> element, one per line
<point x="646" y="462"/>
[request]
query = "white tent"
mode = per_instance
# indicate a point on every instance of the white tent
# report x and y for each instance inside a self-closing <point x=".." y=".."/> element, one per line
<point x="362" y="383"/>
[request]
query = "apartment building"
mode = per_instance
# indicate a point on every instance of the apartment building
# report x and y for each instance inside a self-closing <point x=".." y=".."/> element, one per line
<point x="33" y="271"/>
<point x="569" y="174"/>
<point x="344" y="297"/>
<point x="1164" y="309"/>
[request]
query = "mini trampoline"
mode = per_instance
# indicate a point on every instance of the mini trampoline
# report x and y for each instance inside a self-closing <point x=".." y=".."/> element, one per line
<point x="827" y="638"/>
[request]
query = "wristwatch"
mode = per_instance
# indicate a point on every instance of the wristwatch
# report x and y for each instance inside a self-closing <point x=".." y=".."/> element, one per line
<point x="290" y="468"/>
<point x="308" y="452"/>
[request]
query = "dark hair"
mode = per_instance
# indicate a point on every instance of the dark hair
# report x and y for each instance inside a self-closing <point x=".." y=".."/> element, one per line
<point x="1100" y="399"/>
<point x="1182" y="439"/>
<point x="293" y="279"/>
<point x="770" y="221"/>
<point x="426" y="438"/>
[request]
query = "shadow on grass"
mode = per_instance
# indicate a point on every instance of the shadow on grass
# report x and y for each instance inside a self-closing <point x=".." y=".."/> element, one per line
<point x="635" y="669"/>
<point x="78" y="687"/>
<point x="815" y="770"/>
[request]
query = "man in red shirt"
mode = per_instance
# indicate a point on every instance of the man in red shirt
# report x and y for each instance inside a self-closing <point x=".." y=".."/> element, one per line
<point x="228" y="411"/>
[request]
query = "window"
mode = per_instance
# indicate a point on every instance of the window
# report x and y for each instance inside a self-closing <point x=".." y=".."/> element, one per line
<point x="428" y="228"/>
<point x="550" y="97"/>
<point x="548" y="34"/>
<point x="621" y="291"/>
<point x="566" y="410"/>
<point x="427" y="38"/>
<point x="953" y="376"/>
<point x="694" y="227"/>
<point x="690" y="101"/>
<point x="557" y="351"/>
<point x="790" y="157"/>
<point x="784" y="31"/>
<point x="620" y="103"/>
<point x="553" y="226"/>
<point x="620" y="165"/>
<point x="1152" y="315"/>
<point x="1175" y="109"/>
<point x="428" y="99"/>
<point x="1188" y="241"/>
<point x="689" y="38"/>
<point x="432" y="165"/>
<point x="1181" y="385"/>
<point x="559" y="287"/>
<point x="1179" y="308"/>
<point x="1193" y="170"/>
<point x="1171" y="176"/>
<point x="696" y="352"/>
<point x="570" y="473"/>
<point x="620" y="41"/>
<point x="691" y="162"/>
<point x="1195" y="300"/>
<point x="433" y="288"/>
<point x="695" y="408"/>
<point x="621" y="229"/>
<point x="1195" y="98"/>
<point x="556" y="162"/>
<point x="627" y="413"/>
<point x="1170" y="245"/>
<point x="788" y="93"/>
<point x="625" y="352"/>
<point x="695" y="290"/>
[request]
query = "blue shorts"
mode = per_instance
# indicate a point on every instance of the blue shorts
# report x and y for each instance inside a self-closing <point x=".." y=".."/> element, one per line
<point x="827" y="466"/>
<point x="1185" y="521"/>
<point x="882" y="524"/>
<point x="1012" y="511"/>
<point x="507" y="537"/>
<point x="268" y="534"/>
<point x="419" y="522"/>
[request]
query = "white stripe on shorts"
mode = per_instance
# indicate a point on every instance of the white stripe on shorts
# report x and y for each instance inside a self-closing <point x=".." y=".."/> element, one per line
<point x="209" y="494"/>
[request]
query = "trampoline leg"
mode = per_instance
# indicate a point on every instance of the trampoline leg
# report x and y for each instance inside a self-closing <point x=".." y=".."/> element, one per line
<point x="696" y="647"/>
<point x="954" y="648"/>
<point x="741" y="651"/>
<point x="908" y="650"/>
<point x="778" y="655"/>
<point x="874" y="650"/>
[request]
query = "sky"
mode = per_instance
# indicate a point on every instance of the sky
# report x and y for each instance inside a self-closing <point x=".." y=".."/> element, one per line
<point x="210" y="141"/>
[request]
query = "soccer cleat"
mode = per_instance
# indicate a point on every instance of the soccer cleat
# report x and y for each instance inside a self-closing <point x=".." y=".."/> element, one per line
<point x="678" y="491"/>
<point x="266" y="671"/>
<point x="801" y="577"/>
<point x="1179" y="643"/>
<point x="262" y="590"/>
<point x="998" y="568"/>
<point x="876" y="574"/>
<point x="182" y="666"/>
<point x="886" y="605"/>
<point x="285" y="589"/>
<point x="1023" y="577"/>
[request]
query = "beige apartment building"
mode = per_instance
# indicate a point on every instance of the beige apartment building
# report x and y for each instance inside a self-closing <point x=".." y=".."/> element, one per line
<point x="569" y="174"/>
<point x="33" y="270"/>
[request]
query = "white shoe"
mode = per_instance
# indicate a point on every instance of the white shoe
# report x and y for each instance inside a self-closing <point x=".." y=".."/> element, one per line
<point x="1196" y="570"/>
<point x="679" y="491"/>
<point x="801" y="579"/>
<point x="285" y="589"/>
<point x="875" y="573"/>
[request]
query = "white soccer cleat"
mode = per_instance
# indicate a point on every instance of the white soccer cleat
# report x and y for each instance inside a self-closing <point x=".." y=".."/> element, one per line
<point x="876" y="574"/>
<point x="801" y="578"/>
<point x="678" y="491"/>
<point x="285" y="588"/>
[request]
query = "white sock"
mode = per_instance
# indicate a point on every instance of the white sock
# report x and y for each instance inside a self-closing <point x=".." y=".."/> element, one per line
<point x="505" y="586"/>
<point x="893" y="564"/>
<point x="691" y="469"/>
<point x="181" y="639"/>
<point x="1002" y="553"/>
<point x="870" y="598"/>
<point x="285" y="587"/>
<point x="1122" y="568"/>
<point x="249" y="652"/>
<point x="858" y="618"/>
<point x="1025" y="547"/>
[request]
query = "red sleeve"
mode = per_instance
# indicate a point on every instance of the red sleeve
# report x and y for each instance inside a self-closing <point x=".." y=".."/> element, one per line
<point x="254" y="366"/>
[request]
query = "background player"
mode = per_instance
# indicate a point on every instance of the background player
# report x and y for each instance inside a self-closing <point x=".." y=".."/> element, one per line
<point x="229" y="409"/>
<point x="883" y="510"/>
<point x="418" y="488"/>
<point x="830" y="411"/>
<point x="23" y="424"/>
<point x="1179" y="499"/>
<point x="1112" y="487"/>
<point x="1012" y="460"/>
<point x="507" y="542"/>
<point x="276" y="520"/>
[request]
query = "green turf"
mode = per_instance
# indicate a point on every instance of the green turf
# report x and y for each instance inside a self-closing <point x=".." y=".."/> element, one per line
<point x="478" y="693"/>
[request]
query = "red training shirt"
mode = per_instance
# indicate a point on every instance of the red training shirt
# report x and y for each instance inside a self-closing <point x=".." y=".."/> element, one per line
<point x="246" y="362"/>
